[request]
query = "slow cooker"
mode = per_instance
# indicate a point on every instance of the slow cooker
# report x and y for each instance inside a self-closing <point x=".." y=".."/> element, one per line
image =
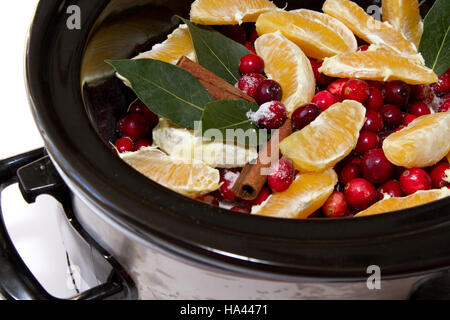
<point x="134" y="239"/>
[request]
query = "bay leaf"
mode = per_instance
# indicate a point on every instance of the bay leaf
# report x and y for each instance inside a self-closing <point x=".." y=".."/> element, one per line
<point x="167" y="90"/>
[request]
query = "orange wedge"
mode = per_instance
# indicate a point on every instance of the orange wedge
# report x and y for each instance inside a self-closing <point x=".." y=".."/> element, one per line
<point x="424" y="142"/>
<point x="380" y="65"/>
<point x="286" y="63"/>
<point x="404" y="15"/>
<point x="307" y="193"/>
<point x="393" y="204"/>
<point x="328" y="139"/>
<point x="221" y="12"/>
<point x="191" y="178"/>
<point x="367" y="28"/>
<point x="317" y="34"/>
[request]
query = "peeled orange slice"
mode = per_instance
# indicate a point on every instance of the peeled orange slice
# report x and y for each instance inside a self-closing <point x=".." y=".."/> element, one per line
<point x="328" y="139"/>
<point x="317" y="34"/>
<point x="404" y="15"/>
<point x="191" y="178"/>
<point x="221" y="12"/>
<point x="393" y="204"/>
<point x="307" y="193"/>
<point x="368" y="28"/>
<point x="286" y="63"/>
<point x="380" y="65"/>
<point x="424" y="142"/>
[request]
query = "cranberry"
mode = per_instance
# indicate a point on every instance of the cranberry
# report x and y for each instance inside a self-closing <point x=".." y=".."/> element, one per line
<point x="262" y="196"/>
<point x="348" y="173"/>
<point x="367" y="140"/>
<point x="376" y="84"/>
<point x="360" y="193"/>
<point x="304" y="115"/>
<point x="443" y="85"/>
<point x="209" y="199"/>
<point x="415" y="179"/>
<point x="139" y="107"/>
<point x="321" y="79"/>
<point x="375" y="101"/>
<point x="375" y="167"/>
<point x="382" y="136"/>
<point x="281" y="175"/>
<point x="335" y="206"/>
<point x="399" y="128"/>
<point x="391" y="188"/>
<point x="335" y="88"/>
<point x="324" y="100"/>
<point x="268" y="90"/>
<point x="251" y="63"/>
<point x="445" y="107"/>
<point x="374" y="121"/>
<point x="364" y="47"/>
<point x="249" y="83"/>
<point x="134" y="126"/>
<point x="392" y="116"/>
<point x="356" y="89"/>
<point x="397" y="92"/>
<point x="228" y="178"/>
<point x="419" y="109"/>
<point x="124" y="145"/>
<point x="142" y="143"/>
<point x="408" y="119"/>
<point x="270" y="115"/>
<point x="250" y="47"/>
<point x="422" y="92"/>
<point x="438" y="173"/>
<point x="353" y="160"/>
<point x="253" y="35"/>
<point x="234" y="32"/>
<point x="241" y="209"/>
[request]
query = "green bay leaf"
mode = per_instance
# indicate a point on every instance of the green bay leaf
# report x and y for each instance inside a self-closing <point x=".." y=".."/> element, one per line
<point x="435" y="42"/>
<point x="167" y="90"/>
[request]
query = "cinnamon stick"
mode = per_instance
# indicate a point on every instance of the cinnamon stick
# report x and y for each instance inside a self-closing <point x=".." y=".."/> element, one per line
<point x="254" y="176"/>
<point x="218" y="88"/>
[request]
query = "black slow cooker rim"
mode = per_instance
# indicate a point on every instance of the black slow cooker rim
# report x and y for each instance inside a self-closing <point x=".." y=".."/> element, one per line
<point x="401" y="244"/>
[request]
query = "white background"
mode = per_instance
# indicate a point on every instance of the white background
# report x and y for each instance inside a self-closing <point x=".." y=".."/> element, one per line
<point x="33" y="228"/>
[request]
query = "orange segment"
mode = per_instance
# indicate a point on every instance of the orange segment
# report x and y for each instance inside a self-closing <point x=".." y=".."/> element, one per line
<point x="307" y="193"/>
<point x="328" y="139"/>
<point x="317" y="34"/>
<point x="380" y="65"/>
<point x="367" y="28"/>
<point x="220" y="12"/>
<point x="424" y="142"/>
<point x="287" y="64"/>
<point x="191" y="178"/>
<point x="393" y="204"/>
<point x="404" y="15"/>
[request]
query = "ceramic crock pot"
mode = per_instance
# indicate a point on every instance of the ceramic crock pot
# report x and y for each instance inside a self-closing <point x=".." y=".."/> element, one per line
<point x="132" y="238"/>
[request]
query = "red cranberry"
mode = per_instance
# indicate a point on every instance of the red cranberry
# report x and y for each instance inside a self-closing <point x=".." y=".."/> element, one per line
<point x="374" y="121"/>
<point x="281" y="175"/>
<point x="249" y="83"/>
<point x="415" y="179"/>
<point x="209" y="199"/>
<point x="375" y="101"/>
<point x="335" y="88"/>
<point x="251" y="63"/>
<point x="391" y="188"/>
<point x="234" y="32"/>
<point x="356" y="89"/>
<point x="353" y="160"/>
<point x="262" y="196"/>
<point x="397" y="92"/>
<point x="392" y="116"/>
<point x="142" y="143"/>
<point x="422" y="92"/>
<point x="321" y="79"/>
<point x="348" y="173"/>
<point x="443" y="85"/>
<point x="241" y="209"/>
<point x="360" y="193"/>
<point x="438" y="173"/>
<point x="228" y="178"/>
<point x="250" y="47"/>
<point x="324" y="100"/>
<point x="253" y="35"/>
<point x="139" y="107"/>
<point x="375" y="167"/>
<point x="364" y="47"/>
<point x="408" y="119"/>
<point x="381" y="137"/>
<point x="268" y="90"/>
<point x="419" y="109"/>
<point x="335" y="206"/>
<point x="367" y="140"/>
<point x="304" y="115"/>
<point x="134" y="126"/>
<point x="270" y="115"/>
<point x="124" y="145"/>
<point x="445" y="107"/>
<point x="376" y="84"/>
<point x="399" y="128"/>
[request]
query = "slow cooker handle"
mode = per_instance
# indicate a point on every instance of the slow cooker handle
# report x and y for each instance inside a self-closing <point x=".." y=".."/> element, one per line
<point x="36" y="175"/>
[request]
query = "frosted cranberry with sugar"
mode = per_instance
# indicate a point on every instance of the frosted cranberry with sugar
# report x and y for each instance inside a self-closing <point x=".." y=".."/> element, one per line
<point x="360" y="193"/>
<point x="419" y="109"/>
<point x="209" y="199"/>
<point x="408" y="119"/>
<point x="367" y="140"/>
<point x="415" y="179"/>
<point x="270" y="115"/>
<point x="357" y="90"/>
<point x="324" y="100"/>
<point x="445" y="106"/>
<point x="142" y="143"/>
<point x="268" y="90"/>
<point x="335" y="206"/>
<point x="134" y="126"/>
<point x="422" y="92"/>
<point x="335" y="88"/>
<point x="374" y="121"/>
<point x="304" y="115"/>
<point x="249" y="83"/>
<point x="391" y="188"/>
<point x="281" y="175"/>
<point x="443" y="85"/>
<point x="392" y="116"/>
<point x="228" y="179"/>
<point x="139" y="107"/>
<point x="349" y="172"/>
<point x="375" y="167"/>
<point x="251" y="63"/>
<point x="262" y="196"/>
<point x="438" y="173"/>
<point x="397" y="92"/>
<point x="241" y="209"/>
<point x="321" y="79"/>
<point x="124" y="145"/>
<point x="375" y="100"/>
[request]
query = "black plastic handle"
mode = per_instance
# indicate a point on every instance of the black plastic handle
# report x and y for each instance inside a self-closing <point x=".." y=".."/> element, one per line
<point x="36" y="175"/>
